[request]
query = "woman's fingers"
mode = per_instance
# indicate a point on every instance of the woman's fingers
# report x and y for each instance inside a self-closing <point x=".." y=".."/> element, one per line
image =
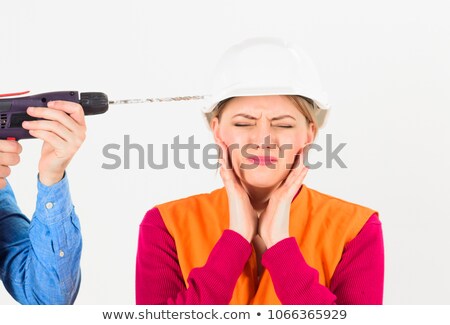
<point x="223" y="154"/>
<point x="243" y="218"/>
<point x="295" y="177"/>
<point x="230" y="179"/>
<point x="223" y="159"/>
<point x="297" y="180"/>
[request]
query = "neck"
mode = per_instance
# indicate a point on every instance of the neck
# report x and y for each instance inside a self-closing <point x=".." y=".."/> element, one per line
<point x="259" y="196"/>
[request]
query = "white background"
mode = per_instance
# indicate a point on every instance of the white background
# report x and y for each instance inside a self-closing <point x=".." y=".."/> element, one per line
<point x="385" y="66"/>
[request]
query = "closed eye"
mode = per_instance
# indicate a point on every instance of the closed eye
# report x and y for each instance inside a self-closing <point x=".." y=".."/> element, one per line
<point x="279" y="126"/>
<point x="242" y="124"/>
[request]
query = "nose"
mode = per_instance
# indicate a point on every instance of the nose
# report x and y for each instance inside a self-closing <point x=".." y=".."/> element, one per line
<point x="262" y="137"/>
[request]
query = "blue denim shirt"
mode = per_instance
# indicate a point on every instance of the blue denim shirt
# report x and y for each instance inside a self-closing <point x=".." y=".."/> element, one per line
<point x="40" y="260"/>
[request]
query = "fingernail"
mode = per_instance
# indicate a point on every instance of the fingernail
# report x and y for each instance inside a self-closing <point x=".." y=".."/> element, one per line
<point x="30" y="109"/>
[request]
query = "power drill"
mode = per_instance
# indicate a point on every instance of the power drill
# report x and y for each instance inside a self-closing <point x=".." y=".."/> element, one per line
<point x="13" y="109"/>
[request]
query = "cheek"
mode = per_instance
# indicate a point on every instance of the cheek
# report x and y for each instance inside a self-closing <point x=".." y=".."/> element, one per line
<point x="233" y="141"/>
<point x="233" y="136"/>
<point x="291" y="147"/>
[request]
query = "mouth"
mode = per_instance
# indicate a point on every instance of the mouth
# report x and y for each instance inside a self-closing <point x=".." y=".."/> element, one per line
<point x="263" y="160"/>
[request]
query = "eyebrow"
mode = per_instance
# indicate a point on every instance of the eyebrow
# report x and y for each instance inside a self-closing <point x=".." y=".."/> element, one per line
<point x="273" y="119"/>
<point x="245" y="115"/>
<point x="282" y="117"/>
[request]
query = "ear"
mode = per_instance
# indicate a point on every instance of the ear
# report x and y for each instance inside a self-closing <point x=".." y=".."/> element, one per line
<point x="310" y="133"/>
<point x="215" y="127"/>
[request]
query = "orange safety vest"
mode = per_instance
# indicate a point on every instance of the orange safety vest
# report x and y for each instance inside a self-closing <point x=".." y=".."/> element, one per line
<point x="321" y="224"/>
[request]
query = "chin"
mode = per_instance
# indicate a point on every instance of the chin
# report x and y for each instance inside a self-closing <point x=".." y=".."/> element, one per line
<point x="261" y="179"/>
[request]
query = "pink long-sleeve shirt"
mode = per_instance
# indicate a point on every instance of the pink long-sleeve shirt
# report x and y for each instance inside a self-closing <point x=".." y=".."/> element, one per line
<point x="358" y="278"/>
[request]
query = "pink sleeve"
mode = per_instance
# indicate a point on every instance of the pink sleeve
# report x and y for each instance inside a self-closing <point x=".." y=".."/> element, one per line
<point x="357" y="280"/>
<point x="159" y="279"/>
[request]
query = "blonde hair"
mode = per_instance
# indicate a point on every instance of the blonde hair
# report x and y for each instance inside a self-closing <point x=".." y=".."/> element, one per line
<point x="306" y="106"/>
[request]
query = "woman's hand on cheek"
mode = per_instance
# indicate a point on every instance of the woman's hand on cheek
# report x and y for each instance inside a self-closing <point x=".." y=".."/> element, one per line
<point x="243" y="218"/>
<point x="273" y="223"/>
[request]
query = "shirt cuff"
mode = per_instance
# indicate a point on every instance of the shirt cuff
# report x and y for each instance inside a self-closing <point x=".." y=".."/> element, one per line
<point x="54" y="202"/>
<point x="285" y="252"/>
<point x="233" y="248"/>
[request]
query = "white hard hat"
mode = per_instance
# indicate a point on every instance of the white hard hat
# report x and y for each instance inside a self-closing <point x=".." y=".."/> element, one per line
<point x="266" y="66"/>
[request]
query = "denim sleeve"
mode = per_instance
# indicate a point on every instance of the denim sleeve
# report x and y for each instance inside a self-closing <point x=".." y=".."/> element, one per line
<point x="40" y="260"/>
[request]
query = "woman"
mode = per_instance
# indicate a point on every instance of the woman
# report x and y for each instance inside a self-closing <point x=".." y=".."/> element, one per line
<point x="264" y="238"/>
